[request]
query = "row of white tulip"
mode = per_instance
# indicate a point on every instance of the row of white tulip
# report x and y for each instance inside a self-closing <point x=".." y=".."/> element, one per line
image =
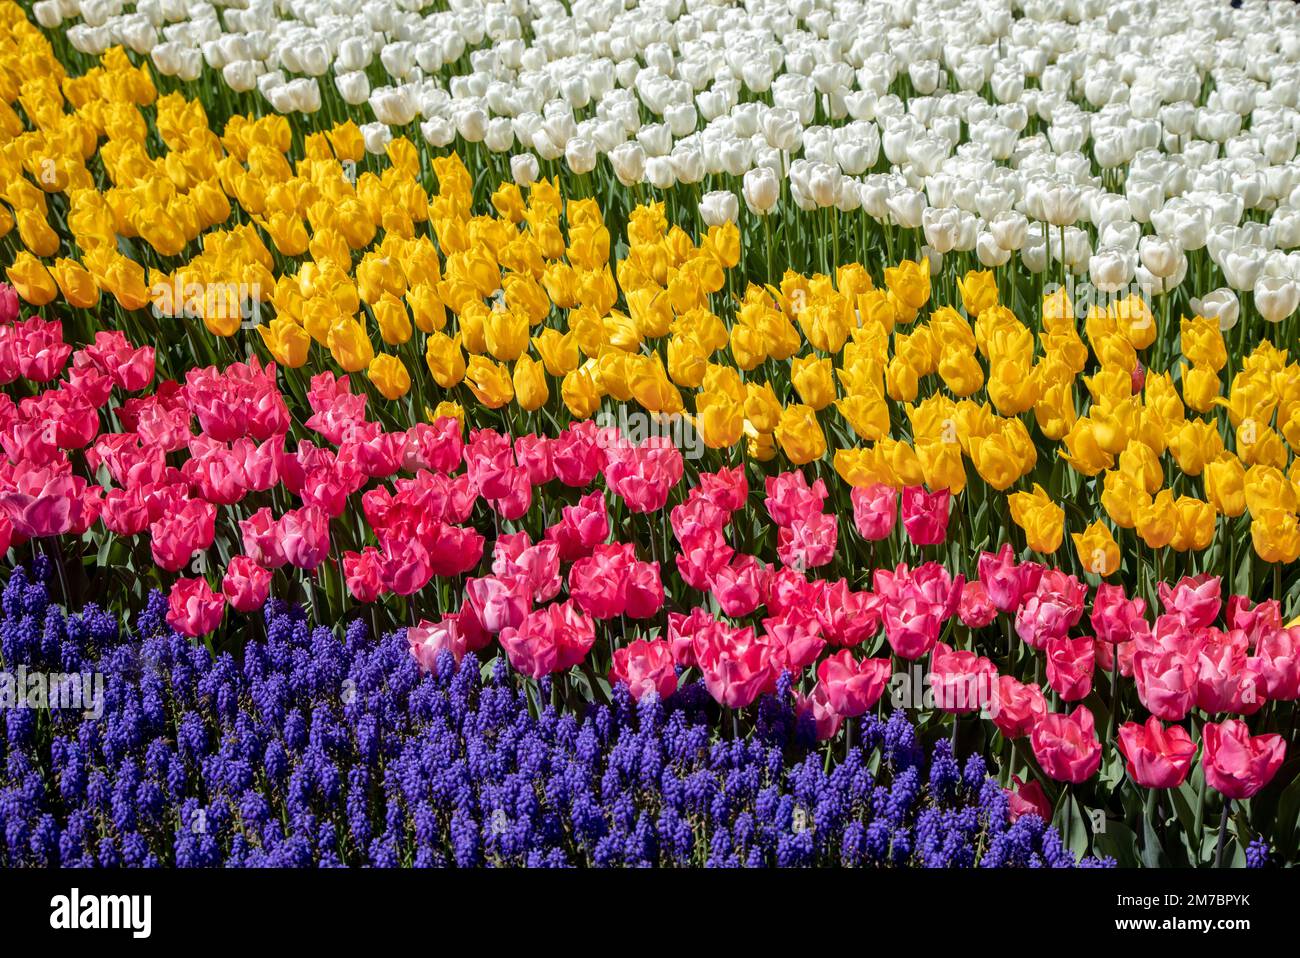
<point x="1110" y="139"/>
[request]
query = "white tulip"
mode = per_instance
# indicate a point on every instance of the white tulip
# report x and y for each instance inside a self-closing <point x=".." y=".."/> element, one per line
<point x="376" y="137"/>
<point x="1276" y="297"/>
<point x="1161" y="256"/>
<point x="524" y="169"/>
<point x="629" y="162"/>
<point x="718" y="207"/>
<point x="761" y="190"/>
<point x="1009" y="230"/>
<point x="353" y="87"/>
<point x="1111" y="268"/>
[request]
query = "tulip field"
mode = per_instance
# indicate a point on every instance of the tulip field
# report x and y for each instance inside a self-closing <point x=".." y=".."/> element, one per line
<point x="650" y="432"/>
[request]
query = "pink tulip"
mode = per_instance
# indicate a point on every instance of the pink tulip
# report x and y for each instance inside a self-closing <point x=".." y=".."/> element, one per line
<point x="807" y="543"/>
<point x="1027" y="798"/>
<point x="875" y="508"/>
<point x="435" y="446"/>
<point x="737" y="667"/>
<point x="847" y="618"/>
<point x="579" y="454"/>
<point x="261" y="537"/>
<point x="643" y="475"/>
<point x="682" y="631"/>
<point x="539" y="565"/>
<point x="817" y="709"/>
<point x="1165" y="683"/>
<point x="1155" y="756"/>
<point x="1279" y="663"/>
<point x="1066" y="746"/>
<point x="1196" y="599"/>
<point x="42" y="501"/>
<point x="1257" y="621"/>
<point x="702" y="555"/>
<point x="1070" y="663"/>
<point x="975" y="609"/>
<point x="193" y="609"/>
<point x="41" y="351"/>
<point x="727" y="488"/>
<point x="1114" y="615"/>
<point x="553" y="638"/>
<point x="581" y="527"/>
<point x="454" y="550"/>
<point x="499" y="603"/>
<point x="1227" y="679"/>
<point x="363" y="575"/>
<point x="740" y="585"/>
<point x="1238" y="764"/>
<point x="960" y="680"/>
<point x="925" y="515"/>
<point x="534" y="455"/>
<point x="1016" y="707"/>
<point x="428" y="639"/>
<point x="644" y="667"/>
<point x="177" y="536"/>
<point x="789" y="497"/>
<point x="246" y="584"/>
<point x="853" y="685"/>
<point x="1006" y="581"/>
<point x="795" y="640"/>
<point x="304" y="537"/>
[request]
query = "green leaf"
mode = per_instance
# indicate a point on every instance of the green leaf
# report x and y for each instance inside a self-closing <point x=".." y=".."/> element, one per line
<point x="1120" y="842"/>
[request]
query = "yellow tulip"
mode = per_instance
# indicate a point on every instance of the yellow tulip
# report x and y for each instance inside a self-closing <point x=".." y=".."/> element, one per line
<point x="76" y="283"/>
<point x="287" y="341"/>
<point x="505" y="333"/>
<point x="1275" y="535"/>
<point x="1157" y="521"/>
<point x="1097" y="549"/>
<point x="529" y="380"/>
<point x="36" y="233"/>
<point x="392" y="319"/>
<point x="1196" y="521"/>
<point x="979" y="291"/>
<point x="1140" y="462"/>
<point x="1194" y="443"/>
<point x="489" y="382"/>
<point x="996" y="461"/>
<point x="1083" y="448"/>
<point x="1225" y="480"/>
<point x="1201" y="387"/>
<point x="1042" y="520"/>
<point x="687" y="362"/>
<point x="31" y="279"/>
<point x="961" y="371"/>
<point x="580" y="393"/>
<point x="800" y="435"/>
<point x="446" y="362"/>
<point x="867" y="414"/>
<point x="719" y="419"/>
<point x="813" y="380"/>
<point x="941" y="463"/>
<point x="762" y="408"/>
<point x="389" y="375"/>
<point x="350" y="346"/>
<point x="559" y="351"/>
<point x="1268" y="488"/>
<point x="910" y="283"/>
